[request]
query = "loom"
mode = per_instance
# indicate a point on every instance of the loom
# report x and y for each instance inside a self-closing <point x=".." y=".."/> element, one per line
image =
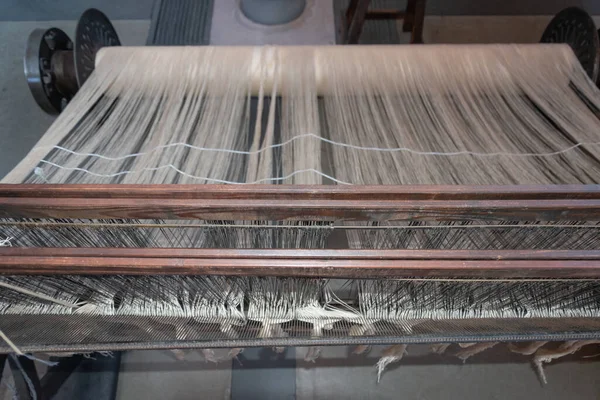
<point x="227" y="197"/>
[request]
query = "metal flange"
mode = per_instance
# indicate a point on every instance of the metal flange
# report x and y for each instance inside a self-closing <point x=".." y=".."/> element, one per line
<point x="49" y="69"/>
<point x="55" y="68"/>
<point x="93" y="32"/>
<point x="576" y="28"/>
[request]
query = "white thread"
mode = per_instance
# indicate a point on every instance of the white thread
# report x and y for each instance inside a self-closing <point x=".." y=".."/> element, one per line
<point x="10" y="343"/>
<point x="332" y="142"/>
<point x="148" y="169"/>
<point x="6" y="242"/>
<point x="220" y="115"/>
<point x="459" y="153"/>
<point x="45" y="362"/>
<point x="40" y="173"/>
<point x="390" y="355"/>
<point x="38" y="295"/>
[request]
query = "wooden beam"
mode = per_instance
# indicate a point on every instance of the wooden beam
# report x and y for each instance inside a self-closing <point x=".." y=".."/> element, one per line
<point x="350" y="11"/>
<point x="290" y="202"/>
<point x="383" y="14"/>
<point x="416" y="34"/>
<point x="356" y="20"/>
<point x="304" y="192"/>
<point x="362" y="264"/>
<point x="300" y="254"/>
<point x="409" y="16"/>
<point x="281" y="210"/>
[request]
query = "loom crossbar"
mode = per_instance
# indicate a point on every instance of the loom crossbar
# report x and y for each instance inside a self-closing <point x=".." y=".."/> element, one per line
<point x="303" y="263"/>
<point x="295" y="202"/>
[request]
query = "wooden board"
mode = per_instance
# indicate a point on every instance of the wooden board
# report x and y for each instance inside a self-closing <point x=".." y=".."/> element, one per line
<point x="297" y="202"/>
<point x="487" y="264"/>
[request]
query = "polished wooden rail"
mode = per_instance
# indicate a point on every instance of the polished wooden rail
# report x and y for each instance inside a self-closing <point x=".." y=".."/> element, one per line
<point x="488" y="264"/>
<point x="297" y="202"/>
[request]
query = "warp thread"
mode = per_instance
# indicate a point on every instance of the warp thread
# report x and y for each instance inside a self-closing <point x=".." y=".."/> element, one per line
<point x="389" y="355"/>
<point x="503" y="114"/>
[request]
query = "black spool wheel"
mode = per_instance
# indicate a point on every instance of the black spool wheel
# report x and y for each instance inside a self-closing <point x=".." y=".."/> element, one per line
<point x="94" y="31"/>
<point x="576" y="28"/>
<point x="47" y="48"/>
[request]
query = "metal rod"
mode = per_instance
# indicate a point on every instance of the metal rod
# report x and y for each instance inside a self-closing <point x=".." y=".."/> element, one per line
<point x="297" y="341"/>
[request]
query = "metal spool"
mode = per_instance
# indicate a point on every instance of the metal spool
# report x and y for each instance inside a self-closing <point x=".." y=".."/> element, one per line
<point x="94" y="31"/>
<point x="576" y="28"/>
<point x="55" y="68"/>
<point x="49" y="69"/>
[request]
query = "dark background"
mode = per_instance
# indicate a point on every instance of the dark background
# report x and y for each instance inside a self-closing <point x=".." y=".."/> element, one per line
<point x="47" y="10"/>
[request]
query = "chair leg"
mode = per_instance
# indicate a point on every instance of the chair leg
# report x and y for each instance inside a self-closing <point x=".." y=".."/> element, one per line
<point x="416" y="33"/>
<point x="355" y="17"/>
<point x="409" y="16"/>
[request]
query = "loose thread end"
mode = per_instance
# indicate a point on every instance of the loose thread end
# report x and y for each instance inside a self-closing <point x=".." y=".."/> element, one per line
<point x="39" y="172"/>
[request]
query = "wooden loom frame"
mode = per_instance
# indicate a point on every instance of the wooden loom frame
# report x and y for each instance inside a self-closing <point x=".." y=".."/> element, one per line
<point x="358" y="11"/>
<point x="303" y="202"/>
